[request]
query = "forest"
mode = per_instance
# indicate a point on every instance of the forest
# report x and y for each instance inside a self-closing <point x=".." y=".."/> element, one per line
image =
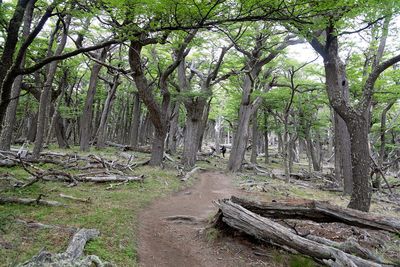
<point x="199" y="133"/>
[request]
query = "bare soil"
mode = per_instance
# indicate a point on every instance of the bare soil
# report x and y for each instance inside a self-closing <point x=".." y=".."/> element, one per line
<point x="169" y="243"/>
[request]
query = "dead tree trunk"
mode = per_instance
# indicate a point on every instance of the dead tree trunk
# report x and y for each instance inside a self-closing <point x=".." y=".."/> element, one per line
<point x="320" y="212"/>
<point x="271" y="232"/>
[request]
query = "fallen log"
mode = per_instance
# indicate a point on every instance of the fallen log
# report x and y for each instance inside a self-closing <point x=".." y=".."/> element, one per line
<point x="111" y="178"/>
<point x="73" y="256"/>
<point x="266" y="230"/>
<point x="85" y="200"/>
<point x="349" y="246"/>
<point x="29" y="201"/>
<point x="320" y="212"/>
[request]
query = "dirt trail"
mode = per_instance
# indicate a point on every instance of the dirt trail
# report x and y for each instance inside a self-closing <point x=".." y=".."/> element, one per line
<point x="167" y="243"/>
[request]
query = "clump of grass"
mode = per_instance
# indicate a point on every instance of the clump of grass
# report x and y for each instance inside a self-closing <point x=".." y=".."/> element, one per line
<point x="301" y="261"/>
<point x="212" y="234"/>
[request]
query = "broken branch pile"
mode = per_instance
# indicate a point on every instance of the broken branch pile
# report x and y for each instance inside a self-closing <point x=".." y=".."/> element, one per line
<point x="99" y="169"/>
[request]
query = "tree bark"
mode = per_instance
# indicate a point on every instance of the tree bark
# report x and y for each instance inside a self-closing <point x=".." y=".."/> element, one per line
<point x="135" y="123"/>
<point x="193" y="127"/>
<point x="173" y="128"/>
<point x="253" y="158"/>
<point x="360" y="160"/>
<point x="382" y="145"/>
<point x="87" y="113"/>
<point x="266" y="139"/>
<point x="101" y="130"/>
<point x="45" y="97"/>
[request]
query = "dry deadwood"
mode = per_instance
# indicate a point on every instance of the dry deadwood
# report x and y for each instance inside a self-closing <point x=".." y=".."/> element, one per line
<point x="73" y="256"/>
<point x="111" y="178"/>
<point x="113" y="186"/>
<point x="320" y="212"/>
<point x="266" y="230"/>
<point x="168" y="157"/>
<point x="85" y="200"/>
<point x="29" y="201"/>
<point x="349" y="246"/>
<point x="190" y="173"/>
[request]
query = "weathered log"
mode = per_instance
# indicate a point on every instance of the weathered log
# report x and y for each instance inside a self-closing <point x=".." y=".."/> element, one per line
<point x="349" y="246"/>
<point x="78" y="242"/>
<point x="111" y="178"/>
<point x="29" y="201"/>
<point x="271" y="232"/>
<point x="320" y="212"/>
<point x="189" y="174"/>
<point x="72" y="256"/>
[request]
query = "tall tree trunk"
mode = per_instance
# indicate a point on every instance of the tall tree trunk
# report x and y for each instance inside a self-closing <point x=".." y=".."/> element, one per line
<point x="382" y="150"/>
<point x="9" y="46"/>
<point x="203" y="124"/>
<point x="240" y="138"/>
<point x="134" y="132"/>
<point x="45" y="99"/>
<point x="253" y="158"/>
<point x="9" y="120"/>
<point x="194" y="120"/>
<point x="86" y="117"/>
<point x="266" y="139"/>
<point x="218" y="128"/>
<point x="173" y="128"/>
<point x="312" y="150"/>
<point x="342" y="154"/>
<point x="360" y="159"/>
<point x="101" y="130"/>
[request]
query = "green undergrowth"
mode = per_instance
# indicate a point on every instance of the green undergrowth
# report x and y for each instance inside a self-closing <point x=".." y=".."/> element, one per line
<point x="113" y="212"/>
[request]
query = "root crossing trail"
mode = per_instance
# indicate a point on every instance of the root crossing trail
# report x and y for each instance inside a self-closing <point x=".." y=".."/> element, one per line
<point x="170" y="243"/>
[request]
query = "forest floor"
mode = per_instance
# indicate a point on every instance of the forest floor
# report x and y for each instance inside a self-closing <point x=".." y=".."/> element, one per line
<point x="164" y="242"/>
<point x="135" y="221"/>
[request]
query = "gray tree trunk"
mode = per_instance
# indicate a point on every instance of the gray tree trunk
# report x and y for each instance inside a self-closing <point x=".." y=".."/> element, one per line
<point x="266" y="139"/>
<point x="47" y="87"/>
<point x="342" y="154"/>
<point x="87" y="113"/>
<point x="101" y="130"/>
<point x="135" y="123"/>
<point x="253" y="158"/>
<point x="173" y="128"/>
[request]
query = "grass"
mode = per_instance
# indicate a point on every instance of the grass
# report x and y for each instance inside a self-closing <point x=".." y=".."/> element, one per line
<point x="114" y="213"/>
